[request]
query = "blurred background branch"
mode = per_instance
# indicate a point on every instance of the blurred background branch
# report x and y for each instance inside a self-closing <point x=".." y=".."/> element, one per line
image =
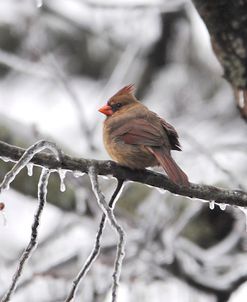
<point x="59" y="62"/>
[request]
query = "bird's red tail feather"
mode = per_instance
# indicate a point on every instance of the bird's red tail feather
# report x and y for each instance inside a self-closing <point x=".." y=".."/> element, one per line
<point x="174" y="172"/>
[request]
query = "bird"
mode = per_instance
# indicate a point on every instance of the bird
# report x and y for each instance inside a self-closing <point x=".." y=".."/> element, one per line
<point x="137" y="138"/>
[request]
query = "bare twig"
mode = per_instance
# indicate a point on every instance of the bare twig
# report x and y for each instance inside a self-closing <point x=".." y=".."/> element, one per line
<point x="96" y="249"/>
<point x="114" y="224"/>
<point x="158" y="180"/>
<point x="42" y="192"/>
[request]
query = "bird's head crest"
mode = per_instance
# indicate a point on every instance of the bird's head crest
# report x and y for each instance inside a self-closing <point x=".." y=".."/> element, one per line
<point x="129" y="89"/>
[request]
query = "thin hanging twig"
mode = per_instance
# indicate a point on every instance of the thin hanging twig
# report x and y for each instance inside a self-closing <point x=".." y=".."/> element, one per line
<point x="114" y="224"/>
<point x="96" y="249"/>
<point x="42" y="192"/>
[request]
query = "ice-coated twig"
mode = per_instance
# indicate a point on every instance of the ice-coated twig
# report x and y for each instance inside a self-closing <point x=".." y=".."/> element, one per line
<point x="42" y="192"/>
<point x="114" y="224"/>
<point x="26" y="158"/>
<point x="96" y="249"/>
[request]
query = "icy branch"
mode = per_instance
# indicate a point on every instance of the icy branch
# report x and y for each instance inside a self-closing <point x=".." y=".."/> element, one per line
<point x="108" y="211"/>
<point x="158" y="180"/>
<point x="42" y="192"/>
<point x="26" y="158"/>
<point x="96" y="249"/>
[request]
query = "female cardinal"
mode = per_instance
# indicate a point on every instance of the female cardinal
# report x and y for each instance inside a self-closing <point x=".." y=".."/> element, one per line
<point x="137" y="138"/>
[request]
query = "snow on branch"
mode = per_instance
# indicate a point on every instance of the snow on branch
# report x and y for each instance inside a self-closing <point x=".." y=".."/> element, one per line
<point x="158" y="180"/>
<point x="42" y="192"/>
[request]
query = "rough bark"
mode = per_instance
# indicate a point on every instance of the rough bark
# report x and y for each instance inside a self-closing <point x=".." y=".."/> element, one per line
<point x="226" y="21"/>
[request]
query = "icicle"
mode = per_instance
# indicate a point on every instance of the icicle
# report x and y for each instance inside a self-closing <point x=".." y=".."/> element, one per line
<point x="3" y="218"/>
<point x="39" y="3"/>
<point x="211" y="204"/>
<point x="30" y="169"/>
<point x="222" y="206"/>
<point x="244" y="210"/>
<point x="62" y="174"/>
<point x="78" y="174"/>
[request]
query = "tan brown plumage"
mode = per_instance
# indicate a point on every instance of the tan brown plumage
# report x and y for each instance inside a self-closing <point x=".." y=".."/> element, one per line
<point x="137" y="138"/>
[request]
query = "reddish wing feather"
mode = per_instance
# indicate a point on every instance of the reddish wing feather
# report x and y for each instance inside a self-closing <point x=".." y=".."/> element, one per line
<point x="173" y="171"/>
<point x="140" y="132"/>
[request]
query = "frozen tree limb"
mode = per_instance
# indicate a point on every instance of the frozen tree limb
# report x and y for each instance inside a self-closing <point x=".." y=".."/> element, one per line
<point x="158" y="180"/>
<point x="26" y="158"/>
<point x="96" y="249"/>
<point x="226" y="23"/>
<point x="42" y="192"/>
<point x="108" y="211"/>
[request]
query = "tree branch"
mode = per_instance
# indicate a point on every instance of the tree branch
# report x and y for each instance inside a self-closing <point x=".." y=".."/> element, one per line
<point x="108" y="211"/>
<point x="158" y="180"/>
<point x="226" y="23"/>
<point x="42" y="192"/>
<point x="96" y="249"/>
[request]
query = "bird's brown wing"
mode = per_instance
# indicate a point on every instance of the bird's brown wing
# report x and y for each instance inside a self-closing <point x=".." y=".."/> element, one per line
<point x="153" y="137"/>
<point x="140" y="132"/>
<point x="172" y="135"/>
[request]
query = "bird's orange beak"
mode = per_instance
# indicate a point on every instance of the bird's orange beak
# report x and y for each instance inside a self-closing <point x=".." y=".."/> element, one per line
<point x="107" y="110"/>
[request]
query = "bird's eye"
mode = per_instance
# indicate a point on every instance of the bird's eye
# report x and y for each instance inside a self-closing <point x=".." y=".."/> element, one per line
<point x="116" y="106"/>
